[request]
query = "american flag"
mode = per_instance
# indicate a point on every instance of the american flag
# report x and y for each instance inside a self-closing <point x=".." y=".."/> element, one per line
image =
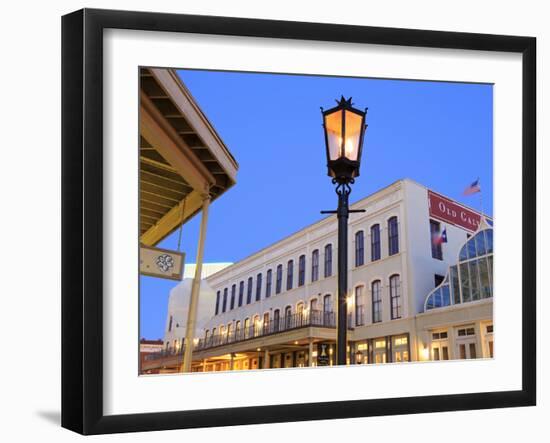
<point x="473" y="188"/>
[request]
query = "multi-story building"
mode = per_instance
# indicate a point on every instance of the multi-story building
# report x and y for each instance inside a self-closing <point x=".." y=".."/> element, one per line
<point x="408" y="300"/>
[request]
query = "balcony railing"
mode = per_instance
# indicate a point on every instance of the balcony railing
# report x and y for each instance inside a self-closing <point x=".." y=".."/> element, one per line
<point x="261" y="329"/>
<point x="275" y="326"/>
<point x="168" y="352"/>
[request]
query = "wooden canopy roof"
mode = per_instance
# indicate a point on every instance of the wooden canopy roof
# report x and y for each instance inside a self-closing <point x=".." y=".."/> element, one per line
<point x="181" y="156"/>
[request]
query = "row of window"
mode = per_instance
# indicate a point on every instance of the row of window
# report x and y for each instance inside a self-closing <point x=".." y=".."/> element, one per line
<point x="257" y="324"/>
<point x="227" y="301"/>
<point x="376" y="307"/>
<point x="375" y="248"/>
<point x="376" y="301"/>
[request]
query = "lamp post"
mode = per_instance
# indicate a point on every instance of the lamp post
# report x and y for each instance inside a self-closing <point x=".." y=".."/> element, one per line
<point x="344" y="128"/>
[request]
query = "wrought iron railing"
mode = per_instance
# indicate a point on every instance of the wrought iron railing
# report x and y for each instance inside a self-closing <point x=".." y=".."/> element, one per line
<point x="168" y="352"/>
<point x="263" y="329"/>
<point x="274" y="326"/>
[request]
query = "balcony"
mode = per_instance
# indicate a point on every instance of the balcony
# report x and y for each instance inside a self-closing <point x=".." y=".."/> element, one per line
<point x="263" y="329"/>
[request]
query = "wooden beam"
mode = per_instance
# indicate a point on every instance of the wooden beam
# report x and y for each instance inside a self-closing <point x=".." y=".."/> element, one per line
<point x="172" y="219"/>
<point x="157" y="164"/>
<point x="163" y="137"/>
<point x="155" y="175"/>
<point x="168" y="79"/>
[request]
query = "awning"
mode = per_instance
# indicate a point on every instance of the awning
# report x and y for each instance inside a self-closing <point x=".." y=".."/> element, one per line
<point x="181" y="156"/>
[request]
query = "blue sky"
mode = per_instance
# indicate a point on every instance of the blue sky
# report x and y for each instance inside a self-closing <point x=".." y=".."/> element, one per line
<point x="439" y="134"/>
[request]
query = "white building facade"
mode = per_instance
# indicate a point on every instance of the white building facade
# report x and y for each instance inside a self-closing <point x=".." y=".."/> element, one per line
<point x="277" y="307"/>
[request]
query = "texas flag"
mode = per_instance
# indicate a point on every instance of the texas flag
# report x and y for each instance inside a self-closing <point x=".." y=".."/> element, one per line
<point x="473" y="188"/>
<point x="440" y="237"/>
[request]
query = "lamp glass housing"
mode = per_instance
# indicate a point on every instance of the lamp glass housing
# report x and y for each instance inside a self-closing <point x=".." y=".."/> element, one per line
<point x="333" y="128"/>
<point x="344" y="131"/>
<point x="352" y="136"/>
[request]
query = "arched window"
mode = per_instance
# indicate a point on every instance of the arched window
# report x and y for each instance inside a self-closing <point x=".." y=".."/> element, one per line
<point x="395" y="296"/>
<point x="230" y="336"/>
<point x="265" y="323"/>
<point x="206" y="334"/>
<point x="257" y="325"/>
<point x="289" y="275"/>
<point x="359" y="321"/>
<point x="375" y="242"/>
<point x="328" y="260"/>
<point x="246" y="327"/>
<point x="313" y="304"/>
<point x="233" y="291"/>
<point x="376" y="289"/>
<point x="258" y="287"/>
<point x="279" y="279"/>
<point x="276" y="319"/>
<point x="217" y="303"/>
<point x="359" y="248"/>
<point x="315" y="265"/>
<point x="238" y="330"/>
<point x="327" y="303"/>
<point x="268" y="279"/>
<point x="249" y="291"/>
<point x="241" y="293"/>
<point x="326" y="318"/>
<point x="478" y="245"/>
<point x="300" y="307"/>
<point x="288" y="316"/>
<point x="393" y="236"/>
<point x="302" y="270"/>
<point x="224" y="305"/>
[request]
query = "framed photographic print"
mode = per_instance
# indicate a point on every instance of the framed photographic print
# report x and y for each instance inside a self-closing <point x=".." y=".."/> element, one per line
<point x="269" y="221"/>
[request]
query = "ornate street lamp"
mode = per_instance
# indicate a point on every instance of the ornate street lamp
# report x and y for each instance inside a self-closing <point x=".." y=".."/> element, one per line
<point x="359" y="358"/>
<point x="344" y="128"/>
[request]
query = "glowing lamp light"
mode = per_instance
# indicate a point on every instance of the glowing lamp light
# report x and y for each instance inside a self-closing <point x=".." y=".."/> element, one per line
<point x="425" y="353"/>
<point x="344" y="128"/>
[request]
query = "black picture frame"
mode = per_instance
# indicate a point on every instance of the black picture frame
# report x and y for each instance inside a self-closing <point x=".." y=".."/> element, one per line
<point x="82" y="219"/>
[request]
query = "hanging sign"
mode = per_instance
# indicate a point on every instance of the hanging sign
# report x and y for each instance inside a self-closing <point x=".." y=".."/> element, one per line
<point x="162" y="263"/>
<point x="323" y="354"/>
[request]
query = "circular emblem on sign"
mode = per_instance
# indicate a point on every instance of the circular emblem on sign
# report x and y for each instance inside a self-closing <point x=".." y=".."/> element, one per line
<point x="165" y="262"/>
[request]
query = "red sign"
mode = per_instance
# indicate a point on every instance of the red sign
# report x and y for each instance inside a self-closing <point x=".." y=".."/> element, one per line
<point x="449" y="211"/>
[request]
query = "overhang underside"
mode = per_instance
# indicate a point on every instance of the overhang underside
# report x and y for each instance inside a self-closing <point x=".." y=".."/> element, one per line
<point x="181" y="156"/>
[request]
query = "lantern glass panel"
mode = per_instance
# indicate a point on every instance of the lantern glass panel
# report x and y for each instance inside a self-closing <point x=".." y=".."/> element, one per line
<point x="333" y="128"/>
<point x="354" y="123"/>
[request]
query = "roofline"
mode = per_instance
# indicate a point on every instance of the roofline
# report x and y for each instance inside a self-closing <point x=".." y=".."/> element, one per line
<point x="477" y="211"/>
<point x="397" y="184"/>
<point x="311" y="225"/>
<point x="174" y="73"/>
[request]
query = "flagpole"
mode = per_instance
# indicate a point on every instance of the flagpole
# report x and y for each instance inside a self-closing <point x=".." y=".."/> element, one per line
<point x="480" y="198"/>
